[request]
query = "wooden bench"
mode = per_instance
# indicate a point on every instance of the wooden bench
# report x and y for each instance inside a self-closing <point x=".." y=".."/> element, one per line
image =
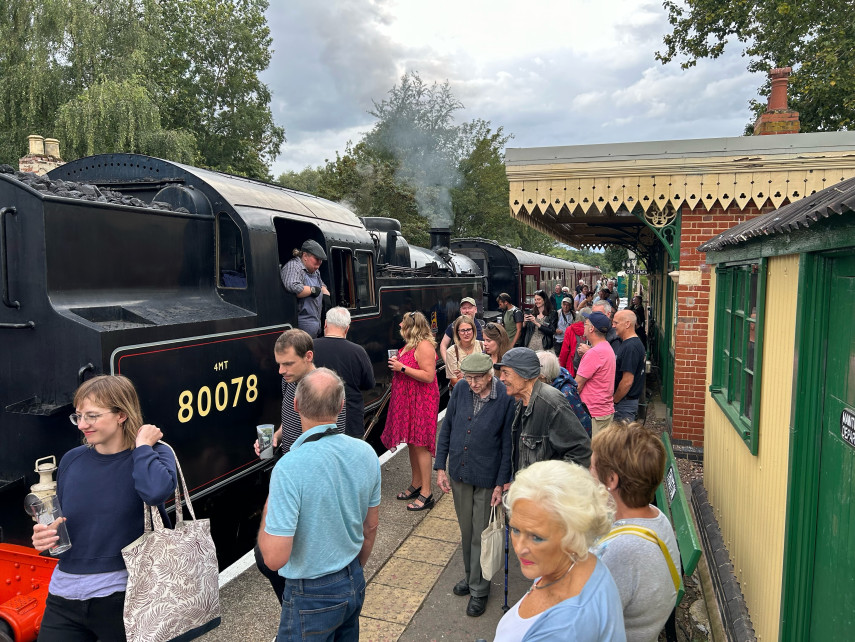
<point x="671" y="500"/>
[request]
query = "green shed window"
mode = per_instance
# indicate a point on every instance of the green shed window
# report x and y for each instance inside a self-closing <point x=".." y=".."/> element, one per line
<point x="738" y="346"/>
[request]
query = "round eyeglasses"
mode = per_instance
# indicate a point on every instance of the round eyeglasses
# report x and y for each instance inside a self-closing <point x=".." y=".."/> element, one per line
<point x="87" y="417"/>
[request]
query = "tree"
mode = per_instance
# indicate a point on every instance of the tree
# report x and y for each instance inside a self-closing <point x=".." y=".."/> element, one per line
<point x="816" y="38"/>
<point x="613" y="259"/>
<point x="308" y="180"/>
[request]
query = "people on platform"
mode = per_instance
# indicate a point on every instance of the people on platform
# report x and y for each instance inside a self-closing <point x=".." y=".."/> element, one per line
<point x="465" y="344"/>
<point x="579" y="299"/>
<point x="101" y="488"/>
<point x="637" y="306"/>
<point x="545" y="426"/>
<point x="630" y="361"/>
<point x="475" y="442"/>
<point x="320" y="518"/>
<point x="558" y="377"/>
<point x="641" y="549"/>
<point x="596" y="372"/>
<point x="580" y="286"/>
<point x="293" y="352"/>
<point x="512" y="318"/>
<point x="540" y="324"/>
<point x="467" y="308"/>
<point x="496" y="342"/>
<point x="614" y="295"/>
<point x="557" y="511"/>
<point x="301" y="277"/>
<point x="413" y="407"/>
<point x="350" y="361"/>
<point x="566" y="317"/>
<point x="557" y="297"/>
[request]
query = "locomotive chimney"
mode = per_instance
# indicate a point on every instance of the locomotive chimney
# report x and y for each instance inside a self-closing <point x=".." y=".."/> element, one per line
<point x="440" y="237"/>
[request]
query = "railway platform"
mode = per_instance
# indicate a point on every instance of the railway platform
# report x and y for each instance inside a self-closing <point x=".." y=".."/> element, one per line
<point x="415" y="563"/>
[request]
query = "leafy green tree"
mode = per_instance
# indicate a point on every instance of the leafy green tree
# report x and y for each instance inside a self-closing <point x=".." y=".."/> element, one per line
<point x="307" y="180"/>
<point x="613" y="258"/>
<point x="816" y="38"/>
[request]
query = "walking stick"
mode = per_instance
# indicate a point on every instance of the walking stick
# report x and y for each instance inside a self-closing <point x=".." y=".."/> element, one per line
<point x="505" y="607"/>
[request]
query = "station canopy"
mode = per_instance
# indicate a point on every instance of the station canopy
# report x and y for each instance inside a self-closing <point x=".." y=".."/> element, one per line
<point x="629" y="194"/>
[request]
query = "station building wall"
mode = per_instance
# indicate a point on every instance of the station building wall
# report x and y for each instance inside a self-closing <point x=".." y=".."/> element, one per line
<point x="749" y="493"/>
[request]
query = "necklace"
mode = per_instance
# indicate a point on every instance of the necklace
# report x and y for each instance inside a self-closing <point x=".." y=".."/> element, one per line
<point x="535" y="586"/>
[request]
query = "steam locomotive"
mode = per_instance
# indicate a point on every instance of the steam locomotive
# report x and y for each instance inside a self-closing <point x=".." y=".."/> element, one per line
<point x="169" y="274"/>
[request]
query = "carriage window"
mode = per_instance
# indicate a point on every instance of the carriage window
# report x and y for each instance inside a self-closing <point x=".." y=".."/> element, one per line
<point x="231" y="263"/>
<point x="364" y="279"/>
<point x="342" y="266"/>
<point x="530" y="288"/>
<point x="737" y="347"/>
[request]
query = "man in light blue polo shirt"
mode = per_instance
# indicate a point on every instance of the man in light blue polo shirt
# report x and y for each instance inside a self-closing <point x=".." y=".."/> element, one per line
<point x="321" y="518"/>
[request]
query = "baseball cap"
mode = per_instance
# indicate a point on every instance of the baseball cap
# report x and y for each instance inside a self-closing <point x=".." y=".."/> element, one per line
<point x="314" y="248"/>
<point x="567" y="299"/>
<point x="523" y="361"/>
<point x="467" y="299"/>
<point x="599" y="320"/>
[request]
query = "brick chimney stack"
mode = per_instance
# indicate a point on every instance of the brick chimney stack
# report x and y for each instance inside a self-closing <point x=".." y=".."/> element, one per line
<point x="778" y="119"/>
<point x="42" y="157"/>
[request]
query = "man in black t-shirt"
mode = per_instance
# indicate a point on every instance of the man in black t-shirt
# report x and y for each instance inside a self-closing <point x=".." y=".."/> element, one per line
<point x="350" y="362"/>
<point x="630" y="357"/>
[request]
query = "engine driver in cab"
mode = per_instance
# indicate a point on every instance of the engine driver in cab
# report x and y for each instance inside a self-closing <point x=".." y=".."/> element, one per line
<point x="302" y="278"/>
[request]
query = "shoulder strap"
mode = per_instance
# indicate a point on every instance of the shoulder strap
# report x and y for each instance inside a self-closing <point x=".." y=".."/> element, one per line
<point x="321" y="435"/>
<point x="652" y="537"/>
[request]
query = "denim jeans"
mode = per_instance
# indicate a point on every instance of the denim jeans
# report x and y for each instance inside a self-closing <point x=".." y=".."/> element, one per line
<point x="323" y="609"/>
<point x="626" y="410"/>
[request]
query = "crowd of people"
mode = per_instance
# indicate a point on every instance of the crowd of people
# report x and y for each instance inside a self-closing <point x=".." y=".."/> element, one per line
<point x="541" y="420"/>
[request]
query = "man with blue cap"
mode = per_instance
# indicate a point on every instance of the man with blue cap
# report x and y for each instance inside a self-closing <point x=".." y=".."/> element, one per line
<point x="544" y="426"/>
<point x="596" y="372"/>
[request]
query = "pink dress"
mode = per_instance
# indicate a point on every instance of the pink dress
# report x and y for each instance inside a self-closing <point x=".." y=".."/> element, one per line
<point x="413" y="407"/>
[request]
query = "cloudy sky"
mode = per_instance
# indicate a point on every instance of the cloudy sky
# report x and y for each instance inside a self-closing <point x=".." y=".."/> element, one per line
<point x="551" y="72"/>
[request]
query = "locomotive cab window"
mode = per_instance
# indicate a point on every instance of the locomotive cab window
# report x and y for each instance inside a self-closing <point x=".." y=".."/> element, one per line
<point x="231" y="261"/>
<point x="738" y="346"/>
<point x="341" y="260"/>
<point x="364" y="279"/>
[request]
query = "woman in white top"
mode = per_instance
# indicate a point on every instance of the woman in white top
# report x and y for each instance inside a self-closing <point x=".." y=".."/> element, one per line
<point x="465" y="344"/>
<point x="557" y="510"/>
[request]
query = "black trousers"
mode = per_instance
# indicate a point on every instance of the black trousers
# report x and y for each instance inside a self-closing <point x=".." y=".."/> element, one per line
<point x="100" y="618"/>
<point x="276" y="580"/>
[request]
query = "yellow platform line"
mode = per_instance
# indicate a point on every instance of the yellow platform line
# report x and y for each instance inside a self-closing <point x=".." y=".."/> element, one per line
<point x="395" y="594"/>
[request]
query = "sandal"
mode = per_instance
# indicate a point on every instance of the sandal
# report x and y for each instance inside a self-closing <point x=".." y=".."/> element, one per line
<point x="427" y="503"/>
<point x="411" y="493"/>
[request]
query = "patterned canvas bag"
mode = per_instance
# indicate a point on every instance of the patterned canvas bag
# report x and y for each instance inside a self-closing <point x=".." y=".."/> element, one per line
<point x="173" y="582"/>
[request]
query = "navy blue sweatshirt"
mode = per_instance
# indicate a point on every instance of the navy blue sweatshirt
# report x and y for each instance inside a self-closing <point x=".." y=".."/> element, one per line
<point x="102" y="498"/>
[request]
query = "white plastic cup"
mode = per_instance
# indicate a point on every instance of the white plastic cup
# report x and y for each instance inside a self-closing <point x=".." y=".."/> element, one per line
<point x="392" y="353"/>
<point x="265" y="440"/>
<point x="47" y="511"/>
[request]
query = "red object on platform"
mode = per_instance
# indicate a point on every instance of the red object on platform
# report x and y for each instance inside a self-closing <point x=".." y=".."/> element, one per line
<point x="24" y="579"/>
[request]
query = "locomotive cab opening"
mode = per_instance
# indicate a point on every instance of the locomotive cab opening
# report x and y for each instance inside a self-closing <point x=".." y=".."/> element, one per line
<point x="231" y="260"/>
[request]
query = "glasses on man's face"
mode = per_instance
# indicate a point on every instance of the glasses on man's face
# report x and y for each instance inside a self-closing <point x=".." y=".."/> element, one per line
<point x="477" y="378"/>
<point x="87" y="417"/>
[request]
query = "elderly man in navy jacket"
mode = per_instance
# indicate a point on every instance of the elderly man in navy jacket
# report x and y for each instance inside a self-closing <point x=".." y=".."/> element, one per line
<point x="476" y="441"/>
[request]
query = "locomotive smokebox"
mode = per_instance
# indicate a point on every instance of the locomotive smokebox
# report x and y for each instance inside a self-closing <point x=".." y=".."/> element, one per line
<point x="440" y="237"/>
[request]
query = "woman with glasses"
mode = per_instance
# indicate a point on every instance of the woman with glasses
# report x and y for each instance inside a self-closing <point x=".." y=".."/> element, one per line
<point x="557" y="511"/>
<point x="101" y="487"/>
<point x="475" y="440"/>
<point x="465" y="344"/>
<point x="413" y="407"/>
<point x="496" y="341"/>
<point x="540" y="324"/>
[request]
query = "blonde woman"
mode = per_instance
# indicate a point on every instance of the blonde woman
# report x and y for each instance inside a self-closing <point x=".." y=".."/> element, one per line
<point x="557" y="511"/>
<point x="465" y="344"/>
<point x="413" y="407"/>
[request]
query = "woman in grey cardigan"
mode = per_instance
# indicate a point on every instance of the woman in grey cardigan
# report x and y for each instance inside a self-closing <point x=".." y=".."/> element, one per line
<point x="475" y="440"/>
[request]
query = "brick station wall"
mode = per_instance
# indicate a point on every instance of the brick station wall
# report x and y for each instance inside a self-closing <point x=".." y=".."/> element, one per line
<point x="693" y="301"/>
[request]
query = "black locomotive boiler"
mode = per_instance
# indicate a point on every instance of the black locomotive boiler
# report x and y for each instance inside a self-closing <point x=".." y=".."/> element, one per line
<point x="169" y="274"/>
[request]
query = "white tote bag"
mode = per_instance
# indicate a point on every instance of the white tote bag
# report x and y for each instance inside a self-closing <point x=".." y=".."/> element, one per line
<point x="493" y="543"/>
<point x="173" y="582"/>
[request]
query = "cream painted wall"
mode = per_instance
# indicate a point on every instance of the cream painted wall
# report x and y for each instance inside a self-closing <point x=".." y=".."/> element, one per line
<point x="748" y="493"/>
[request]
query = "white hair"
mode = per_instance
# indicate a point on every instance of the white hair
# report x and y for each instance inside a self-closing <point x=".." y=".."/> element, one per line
<point x="338" y="317"/>
<point x="549" y="367"/>
<point x="577" y="501"/>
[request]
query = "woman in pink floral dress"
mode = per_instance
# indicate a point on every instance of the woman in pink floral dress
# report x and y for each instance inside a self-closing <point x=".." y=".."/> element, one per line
<point x="413" y="406"/>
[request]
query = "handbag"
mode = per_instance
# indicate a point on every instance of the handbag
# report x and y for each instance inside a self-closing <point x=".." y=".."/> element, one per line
<point x="173" y="578"/>
<point x="493" y="543"/>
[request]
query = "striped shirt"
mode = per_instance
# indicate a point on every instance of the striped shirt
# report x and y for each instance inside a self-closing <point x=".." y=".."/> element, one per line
<point x="291" y="426"/>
